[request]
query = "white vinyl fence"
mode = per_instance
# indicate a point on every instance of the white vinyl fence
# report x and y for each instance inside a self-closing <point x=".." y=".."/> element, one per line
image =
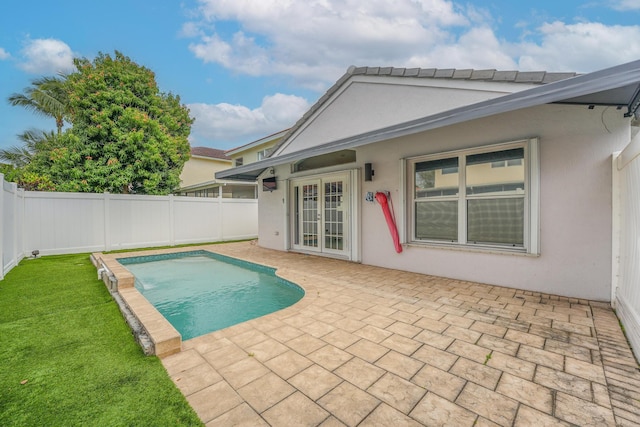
<point x="62" y="223"/>
<point x="626" y="279"/>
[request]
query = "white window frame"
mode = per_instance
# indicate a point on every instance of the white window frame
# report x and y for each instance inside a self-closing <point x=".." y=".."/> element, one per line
<point x="531" y="233"/>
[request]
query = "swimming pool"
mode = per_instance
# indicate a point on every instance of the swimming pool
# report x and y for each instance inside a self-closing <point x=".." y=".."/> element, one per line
<point x="200" y="292"/>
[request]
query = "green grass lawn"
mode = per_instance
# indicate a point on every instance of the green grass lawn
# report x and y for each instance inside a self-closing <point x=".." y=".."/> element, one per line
<point x="67" y="357"/>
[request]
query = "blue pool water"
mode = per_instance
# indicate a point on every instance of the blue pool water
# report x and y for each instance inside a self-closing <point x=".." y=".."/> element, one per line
<point x="200" y="292"/>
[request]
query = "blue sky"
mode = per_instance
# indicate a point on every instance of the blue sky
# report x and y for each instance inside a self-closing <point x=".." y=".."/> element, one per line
<point x="249" y="68"/>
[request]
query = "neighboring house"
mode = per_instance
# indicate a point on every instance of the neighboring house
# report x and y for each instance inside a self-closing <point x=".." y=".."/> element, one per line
<point x="499" y="177"/>
<point x="198" y="176"/>
<point x="256" y="150"/>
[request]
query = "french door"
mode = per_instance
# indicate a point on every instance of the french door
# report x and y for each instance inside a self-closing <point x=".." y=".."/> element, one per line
<point x="321" y="215"/>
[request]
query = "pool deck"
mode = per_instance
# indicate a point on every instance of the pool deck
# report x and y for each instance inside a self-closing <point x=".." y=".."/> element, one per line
<point x="369" y="346"/>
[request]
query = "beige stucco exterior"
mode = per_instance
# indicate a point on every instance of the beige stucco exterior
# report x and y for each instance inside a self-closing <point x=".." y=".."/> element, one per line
<point x="201" y="169"/>
<point x="575" y="232"/>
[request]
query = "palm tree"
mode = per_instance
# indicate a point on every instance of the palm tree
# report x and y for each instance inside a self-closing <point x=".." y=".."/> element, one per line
<point x="46" y="96"/>
<point x="34" y="140"/>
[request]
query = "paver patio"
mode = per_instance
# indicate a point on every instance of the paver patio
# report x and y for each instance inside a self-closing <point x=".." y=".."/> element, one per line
<point x="369" y="346"/>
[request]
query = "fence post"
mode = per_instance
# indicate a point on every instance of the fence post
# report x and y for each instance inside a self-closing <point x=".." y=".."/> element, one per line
<point x="615" y="226"/>
<point x="2" y="224"/>
<point x="107" y="221"/>
<point x="220" y="217"/>
<point x="23" y="222"/>
<point x="172" y="225"/>
<point x="16" y="222"/>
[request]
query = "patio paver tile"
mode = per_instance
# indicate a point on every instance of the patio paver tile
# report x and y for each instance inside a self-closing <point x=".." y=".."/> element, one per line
<point x="385" y="415"/>
<point x="367" y="350"/>
<point x="196" y="378"/>
<point x="401" y="365"/>
<point x="225" y="356"/>
<point x="527" y="392"/>
<point x="316" y="328"/>
<point x="397" y="392"/>
<point x="585" y="370"/>
<point x="436" y="357"/>
<point x="564" y="382"/>
<point x="373" y="333"/>
<point x="541" y="357"/>
<point x="243" y="372"/>
<point x="401" y="344"/>
<point x="221" y="393"/>
<point x="295" y="410"/>
<point x="489" y="404"/>
<point x="267" y="349"/>
<point x="182" y="361"/>
<point x="528" y="417"/>
<point x="513" y="365"/>
<point x="360" y="373"/>
<point x="582" y="412"/>
<point x="265" y="392"/>
<point x="285" y="333"/>
<point x="305" y="344"/>
<point x="340" y="338"/>
<point x="478" y="373"/>
<point x="470" y="351"/>
<point x="315" y="381"/>
<point x="240" y="416"/>
<point x="434" y="339"/>
<point x="524" y="338"/>
<point x="566" y="349"/>
<point x="499" y="344"/>
<point x="348" y="403"/>
<point x="288" y="364"/>
<point x="488" y="328"/>
<point x="330" y="357"/>
<point x="439" y="382"/>
<point x="434" y="410"/>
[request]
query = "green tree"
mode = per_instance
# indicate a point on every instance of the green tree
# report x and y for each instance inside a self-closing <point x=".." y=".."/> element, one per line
<point x="47" y="96"/>
<point x="32" y="140"/>
<point x="126" y="135"/>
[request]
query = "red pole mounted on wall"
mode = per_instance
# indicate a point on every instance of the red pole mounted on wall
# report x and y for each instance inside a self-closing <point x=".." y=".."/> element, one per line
<point x="391" y="222"/>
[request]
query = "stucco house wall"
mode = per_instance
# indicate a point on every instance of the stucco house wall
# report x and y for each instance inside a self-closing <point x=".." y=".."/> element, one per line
<point x="575" y="147"/>
<point x="365" y="104"/>
<point x="201" y="169"/>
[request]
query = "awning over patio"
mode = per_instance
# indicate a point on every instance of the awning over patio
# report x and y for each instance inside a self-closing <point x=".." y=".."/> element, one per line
<point x="617" y="86"/>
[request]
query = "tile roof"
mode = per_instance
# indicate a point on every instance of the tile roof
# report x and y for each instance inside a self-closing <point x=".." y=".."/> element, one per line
<point x="213" y="153"/>
<point x="529" y="77"/>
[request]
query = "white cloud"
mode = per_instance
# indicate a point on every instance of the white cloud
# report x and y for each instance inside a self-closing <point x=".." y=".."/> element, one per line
<point x="478" y="48"/>
<point x="46" y="56"/>
<point x="4" y="54"/>
<point x="311" y="43"/>
<point x="579" y="47"/>
<point x="314" y="41"/>
<point x="624" y="5"/>
<point x="225" y="125"/>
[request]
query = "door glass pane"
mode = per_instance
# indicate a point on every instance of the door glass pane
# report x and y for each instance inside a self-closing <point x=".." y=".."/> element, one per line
<point x="498" y="172"/>
<point x="437" y="220"/>
<point x="436" y="178"/>
<point x="333" y="215"/>
<point x="310" y="215"/>
<point x="498" y="221"/>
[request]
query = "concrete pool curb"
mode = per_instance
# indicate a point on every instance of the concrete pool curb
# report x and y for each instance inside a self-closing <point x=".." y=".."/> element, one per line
<point x="152" y="331"/>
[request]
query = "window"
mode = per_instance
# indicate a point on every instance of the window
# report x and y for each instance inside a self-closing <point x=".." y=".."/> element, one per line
<point x="482" y="197"/>
<point x="239" y="161"/>
<point x="263" y="154"/>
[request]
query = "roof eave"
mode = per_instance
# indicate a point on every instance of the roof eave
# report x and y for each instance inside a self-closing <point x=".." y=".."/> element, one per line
<point x="575" y="88"/>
